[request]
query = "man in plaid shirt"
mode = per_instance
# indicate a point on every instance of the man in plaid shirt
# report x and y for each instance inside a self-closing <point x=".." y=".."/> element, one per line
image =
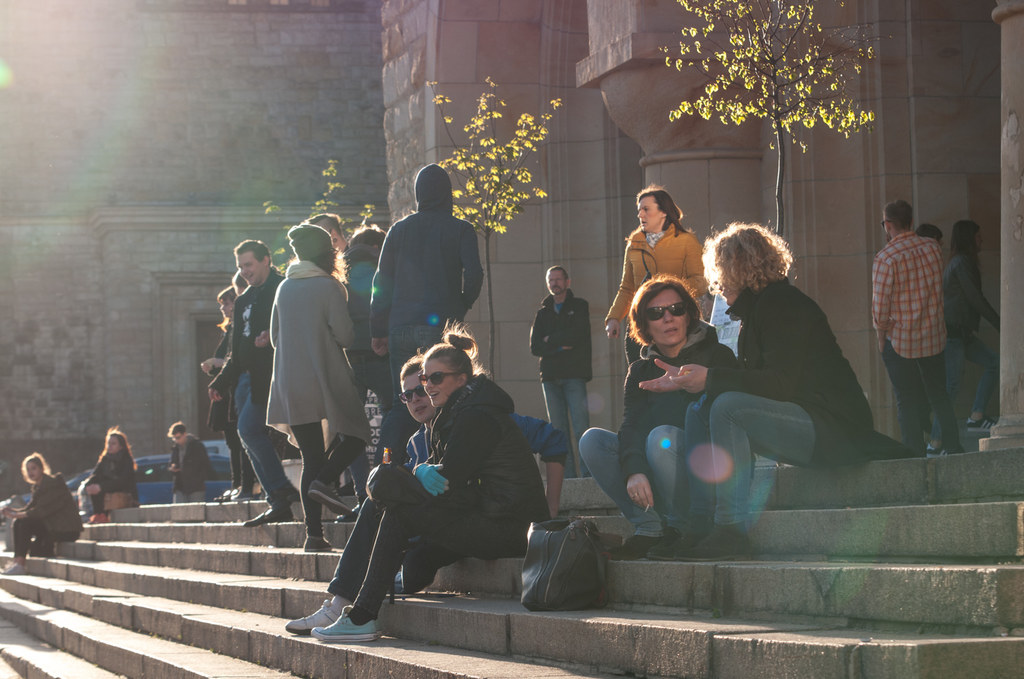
<point x="906" y="310"/>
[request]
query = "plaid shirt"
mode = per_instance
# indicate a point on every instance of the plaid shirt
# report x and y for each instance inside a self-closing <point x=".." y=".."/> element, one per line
<point x="906" y="295"/>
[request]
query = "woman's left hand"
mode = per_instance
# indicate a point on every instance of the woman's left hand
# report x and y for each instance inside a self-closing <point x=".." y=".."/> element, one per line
<point x="691" y="377"/>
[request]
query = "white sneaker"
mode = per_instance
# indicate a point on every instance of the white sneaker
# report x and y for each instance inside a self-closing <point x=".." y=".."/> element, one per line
<point x="15" y="569"/>
<point x="325" y="617"/>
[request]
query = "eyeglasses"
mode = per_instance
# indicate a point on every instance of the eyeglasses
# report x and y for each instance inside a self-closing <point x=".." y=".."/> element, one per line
<point x="435" y="377"/>
<point x="410" y="394"/>
<point x="654" y="313"/>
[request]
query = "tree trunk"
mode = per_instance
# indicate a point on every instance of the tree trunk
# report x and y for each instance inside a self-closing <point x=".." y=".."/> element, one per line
<point x="780" y="213"/>
<point x="490" y="302"/>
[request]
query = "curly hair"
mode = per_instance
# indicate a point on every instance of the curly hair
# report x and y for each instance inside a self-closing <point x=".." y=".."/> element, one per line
<point x="458" y="350"/>
<point x="745" y="256"/>
<point x="649" y="290"/>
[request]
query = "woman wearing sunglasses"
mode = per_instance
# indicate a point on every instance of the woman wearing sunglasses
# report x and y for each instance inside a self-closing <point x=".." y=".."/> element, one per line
<point x="313" y="396"/>
<point x="481" y="485"/>
<point x="660" y="245"/>
<point x="792" y="398"/>
<point x="637" y="467"/>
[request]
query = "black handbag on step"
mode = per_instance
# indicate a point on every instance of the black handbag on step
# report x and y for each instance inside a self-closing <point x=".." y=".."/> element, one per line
<point x="565" y="566"/>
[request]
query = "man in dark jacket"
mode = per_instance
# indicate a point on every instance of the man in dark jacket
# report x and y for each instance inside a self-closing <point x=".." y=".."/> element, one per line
<point x="250" y="367"/>
<point x="560" y="336"/>
<point x="190" y="465"/>
<point x="429" y="273"/>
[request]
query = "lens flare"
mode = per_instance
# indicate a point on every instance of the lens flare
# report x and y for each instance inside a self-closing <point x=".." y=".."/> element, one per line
<point x="710" y="464"/>
<point x="595" y="402"/>
<point x="6" y="75"/>
<point x="433" y="319"/>
<point x="665" y="443"/>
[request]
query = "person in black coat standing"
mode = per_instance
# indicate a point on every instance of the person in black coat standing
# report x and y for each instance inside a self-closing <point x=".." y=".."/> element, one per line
<point x="190" y="465"/>
<point x="560" y="336"/>
<point x="792" y="398"/>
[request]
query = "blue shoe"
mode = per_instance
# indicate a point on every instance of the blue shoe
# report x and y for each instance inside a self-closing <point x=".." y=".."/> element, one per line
<point x="343" y="630"/>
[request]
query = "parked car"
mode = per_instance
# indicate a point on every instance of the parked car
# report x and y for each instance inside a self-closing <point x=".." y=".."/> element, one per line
<point x="153" y="479"/>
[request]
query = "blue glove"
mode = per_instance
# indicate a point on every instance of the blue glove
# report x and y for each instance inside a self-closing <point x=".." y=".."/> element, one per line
<point x="431" y="479"/>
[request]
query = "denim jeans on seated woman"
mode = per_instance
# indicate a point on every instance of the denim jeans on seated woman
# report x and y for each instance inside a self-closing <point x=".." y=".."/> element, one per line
<point x="720" y="444"/>
<point x="600" y="449"/>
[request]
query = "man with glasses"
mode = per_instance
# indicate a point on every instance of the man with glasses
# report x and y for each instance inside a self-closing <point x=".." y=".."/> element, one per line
<point x="190" y="465"/>
<point x="560" y="336"/>
<point x="907" y="313"/>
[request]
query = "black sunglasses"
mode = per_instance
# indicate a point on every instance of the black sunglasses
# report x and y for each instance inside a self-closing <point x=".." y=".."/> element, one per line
<point x="653" y="313"/>
<point x="410" y="394"/>
<point x="435" y="377"/>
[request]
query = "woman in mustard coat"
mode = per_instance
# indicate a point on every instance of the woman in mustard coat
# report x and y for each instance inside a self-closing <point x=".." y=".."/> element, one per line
<point x="661" y="244"/>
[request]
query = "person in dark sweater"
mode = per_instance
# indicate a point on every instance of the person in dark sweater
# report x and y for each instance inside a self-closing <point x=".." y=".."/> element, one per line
<point x="793" y="397"/>
<point x="190" y="465"/>
<point x="112" y="483"/>
<point x="637" y="468"/>
<point x="50" y="516"/>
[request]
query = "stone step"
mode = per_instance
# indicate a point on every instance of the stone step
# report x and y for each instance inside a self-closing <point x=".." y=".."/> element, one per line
<point x="246" y="639"/>
<point x="935" y="533"/>
<point x="971" y="477"/>
<point x="481" y="636"/>
<point x="23" y="655"/>
<point x="954" y="597"/>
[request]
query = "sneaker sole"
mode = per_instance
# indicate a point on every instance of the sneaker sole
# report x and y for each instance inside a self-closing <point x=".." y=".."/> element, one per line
<point x="342" y="638"/>
<point x="331" y="503"/>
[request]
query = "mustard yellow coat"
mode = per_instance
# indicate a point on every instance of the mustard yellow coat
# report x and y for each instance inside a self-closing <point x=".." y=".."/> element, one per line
<point x="678" y="253"/>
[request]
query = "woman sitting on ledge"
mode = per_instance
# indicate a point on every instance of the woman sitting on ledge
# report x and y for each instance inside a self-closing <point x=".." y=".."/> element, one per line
<point x="50" y="516"/>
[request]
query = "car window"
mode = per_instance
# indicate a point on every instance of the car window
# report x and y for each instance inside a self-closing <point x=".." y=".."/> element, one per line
<point x="153" y="472"/>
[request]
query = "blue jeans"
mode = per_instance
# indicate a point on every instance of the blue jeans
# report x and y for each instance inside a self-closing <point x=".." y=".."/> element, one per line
<point x="252" y="429"/>
<point x="958" y="351"/>
<point x="566" y="400"/>
<point x="600" y="449"/>
<point x="721" y="442"/>
<point x="371" y="373"/>
<point x="403" y="343"/>
<point x="920" y="383"/>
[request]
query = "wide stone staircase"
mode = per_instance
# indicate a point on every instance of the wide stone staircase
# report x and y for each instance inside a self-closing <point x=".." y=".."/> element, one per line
<point x="897" y="570"/>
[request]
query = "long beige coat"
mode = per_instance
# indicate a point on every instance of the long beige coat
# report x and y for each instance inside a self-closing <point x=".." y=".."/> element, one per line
<point x="312" y="381"/>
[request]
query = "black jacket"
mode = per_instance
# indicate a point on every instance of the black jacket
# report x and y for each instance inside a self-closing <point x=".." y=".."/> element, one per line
<point x="485" y="456"/>
<point x="115" y="473"/>
<point x="245" y="355"/>
<point x="53" y="504"/>
<point x="645" y="410"/>
<point x="570" y="327"/>
<point x="963" y="301"/>
<point x="360" y="264"/>
<point x="195" y="466"/>
<point x="788" y="353"/>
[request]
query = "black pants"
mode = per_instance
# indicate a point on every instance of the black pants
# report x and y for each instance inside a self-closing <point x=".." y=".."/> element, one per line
<point x="242" y="473"/>
<point x="317" y="465"/>
<point x="33" y="538"/>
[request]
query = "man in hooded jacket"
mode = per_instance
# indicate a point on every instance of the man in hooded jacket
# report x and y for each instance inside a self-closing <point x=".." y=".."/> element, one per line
<point x="429" y="273"/>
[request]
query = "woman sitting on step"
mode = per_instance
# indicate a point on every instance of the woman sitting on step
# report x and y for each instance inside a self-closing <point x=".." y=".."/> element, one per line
<point x="637" y="468"/>
<point x="50" y="516"/>
<point x="475" y="496"/>
<point x="793" y="398"/>
<point x="112" y="484"/>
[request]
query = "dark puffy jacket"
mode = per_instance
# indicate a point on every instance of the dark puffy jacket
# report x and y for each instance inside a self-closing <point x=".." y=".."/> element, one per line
<point x="568" y="328"/>
<point x="788" y="353"/>
<point x="115" y="473"/>
<point x="485" y="456"/>
<point x="645" y="410"/>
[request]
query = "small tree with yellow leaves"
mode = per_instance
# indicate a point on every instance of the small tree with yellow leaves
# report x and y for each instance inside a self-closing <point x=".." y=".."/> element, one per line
<point x="491" y="176"/>
<point x="770" y="59"/>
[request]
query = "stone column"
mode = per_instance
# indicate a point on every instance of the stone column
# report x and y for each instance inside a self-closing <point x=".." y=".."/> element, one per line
<point x="1009" y="433"/>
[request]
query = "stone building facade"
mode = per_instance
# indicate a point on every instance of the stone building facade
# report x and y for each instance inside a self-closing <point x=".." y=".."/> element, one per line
<point x="141" y="139"/>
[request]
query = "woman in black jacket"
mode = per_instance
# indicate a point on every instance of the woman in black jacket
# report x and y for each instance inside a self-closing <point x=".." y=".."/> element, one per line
<point x="114" y="474"/>
<point x="637" y="468"/>
<point x="792" y="398"/>
<point x="476" y="496"/>
<point x="50" y="516"/>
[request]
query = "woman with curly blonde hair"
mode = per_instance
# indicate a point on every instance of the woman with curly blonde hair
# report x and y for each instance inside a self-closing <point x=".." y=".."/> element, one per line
<point x="793" y="397"/>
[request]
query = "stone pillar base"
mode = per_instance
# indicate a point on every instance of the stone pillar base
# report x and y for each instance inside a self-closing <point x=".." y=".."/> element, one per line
<point x="1008" y="433"/>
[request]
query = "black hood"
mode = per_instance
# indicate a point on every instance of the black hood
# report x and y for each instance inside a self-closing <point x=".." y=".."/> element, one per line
<point x="361" y="253"/>
<point x="433" y="190"/>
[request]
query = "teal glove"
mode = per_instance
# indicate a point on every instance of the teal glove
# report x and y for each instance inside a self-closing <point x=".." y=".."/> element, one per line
<point x="431" y="479"/>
